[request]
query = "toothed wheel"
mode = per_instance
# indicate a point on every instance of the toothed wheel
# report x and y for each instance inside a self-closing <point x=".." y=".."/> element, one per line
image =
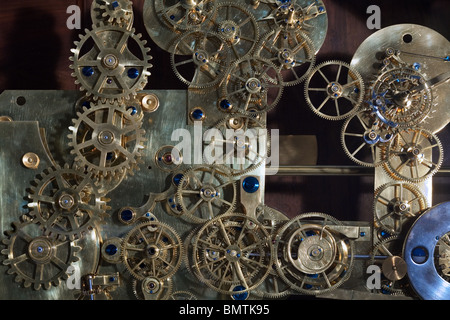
<point x="311" y="256"/>
<point x="110" y="63"/>
<point x="113" y="12"/>
<point x="292" y="52"/>
<point x="106" y="140"/>
<point x="66" y="202"/>
<point x="252" y="86"/>
<point x="243" y="144"/>
<point x="200" y="59"/>
<point x="396" y="206"/>
<point x="334" y="90"/>
<point x="231" y="254"/>
<point x="414" y="154"/>
<point x="205" y="192"/>
<point x="362" y="140"/>
<point x="184" y="15"/>
<point x="237" y="26"/>
<point x="393" y="281"/>
<point x="35" y="259"/>
<point x="152" y="249"/>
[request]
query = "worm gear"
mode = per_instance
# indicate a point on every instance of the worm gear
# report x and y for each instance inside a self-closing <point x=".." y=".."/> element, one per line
<point x="113" y="12"/>
<point x="36" y="260"/>
<point x="241" y="143"/>
<point x="334" y="90"/>
<point x="66" y="202"/>
<point x="311" y="256"/>
<point x="396" y="205"/>
<point x="252" y="86"/>
<point x="292" y="52"/>
<point x="413" y="154"/>
<point x="205" y="192"/>
<point x="107" y="139"/>
<point x="110" y="63"/>
<point x="200" y="59"/>
<point x="231" y="254"/>
<point x="152" y="249"/>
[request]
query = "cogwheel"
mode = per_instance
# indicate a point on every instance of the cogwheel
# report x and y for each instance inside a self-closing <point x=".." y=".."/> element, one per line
<point x="389" y="247"/>
<point x="152" y="288"/>
<point x="36" y="259"/>
<point x="252" y="86"/>
<point x="66" y="202"/>
<point x="361" y="140"/>
<point x="205" y="192"/>
<point x="200" y="59"/>
<point x="185" y="15"/>
<point x="396" y="206"/>
<point x="237" y="26"/>
<point x="110" y="63"/>
<point x="152" y="249"/>
<point x="106" y="140"/>
<point x="231" y="254"/>
<point x="312" y="257"/>
<point x="242" y="143"/>
<point x="414" y="154"/>
<point x="334" y="90"/>
<point x="292" y="52"/>
<point x="113" y="12"/>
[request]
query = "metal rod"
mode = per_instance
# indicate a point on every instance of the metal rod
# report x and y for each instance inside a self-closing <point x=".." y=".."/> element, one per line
<point x="332" y="171"/>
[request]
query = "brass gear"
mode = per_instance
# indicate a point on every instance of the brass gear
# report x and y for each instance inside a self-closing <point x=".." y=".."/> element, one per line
<point x="35" y="259"/>
<point x="67" y="202"/>
<point x="104" y="65"/>
<point x="116" y="12"/>
<point x="106" y="140"/>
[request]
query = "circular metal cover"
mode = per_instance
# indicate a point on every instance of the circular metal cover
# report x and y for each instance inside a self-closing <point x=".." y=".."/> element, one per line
<point x="423" y="236"/>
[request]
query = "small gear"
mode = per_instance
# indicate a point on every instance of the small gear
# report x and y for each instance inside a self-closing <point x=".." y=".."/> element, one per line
<point x="66" y="202"/>
<point x="205" y="192"/>
<point x="292" y="52"/>
<point x="36" y="260"/>
<point x="106" y="140"/>
<point x="252" y="86"/>
<point x="361" y="139"/>
<point x="312" y="257"/>
<point x="110" y="63"/>
<point x="414" y="154"/>
<point x="334" y="90"/>
<point x="113" y="12"/>
<point x="396" y="205"/>
<point x="152" y="249"/>
<point x="200" y="59"/>
<point x="242" y="143"/>
<point x="231" y="254"/>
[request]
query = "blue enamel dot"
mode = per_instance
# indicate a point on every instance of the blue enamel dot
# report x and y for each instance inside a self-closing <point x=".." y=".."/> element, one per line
<point x="250" y="184"/>
<point x="133" y="73"/>
<point x="88" y="71"/>
<point x="111" y="249"/>
<point x="126" y="215"/>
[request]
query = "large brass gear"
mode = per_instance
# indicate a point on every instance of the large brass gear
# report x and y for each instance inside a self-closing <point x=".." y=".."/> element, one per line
<point x="414" y="154"/>
<point x="36" y="260"/>
<point x="106" y="140"/>
<point x="67" y="202"/>
<point x="231" y="254"/>
<point x="105" y="66"/>
<point x="152" y="249"/>
<point x="334" y="90"/>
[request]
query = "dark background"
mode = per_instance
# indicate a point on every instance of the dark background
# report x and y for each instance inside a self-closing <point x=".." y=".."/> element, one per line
<point x="35" y="46"/>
